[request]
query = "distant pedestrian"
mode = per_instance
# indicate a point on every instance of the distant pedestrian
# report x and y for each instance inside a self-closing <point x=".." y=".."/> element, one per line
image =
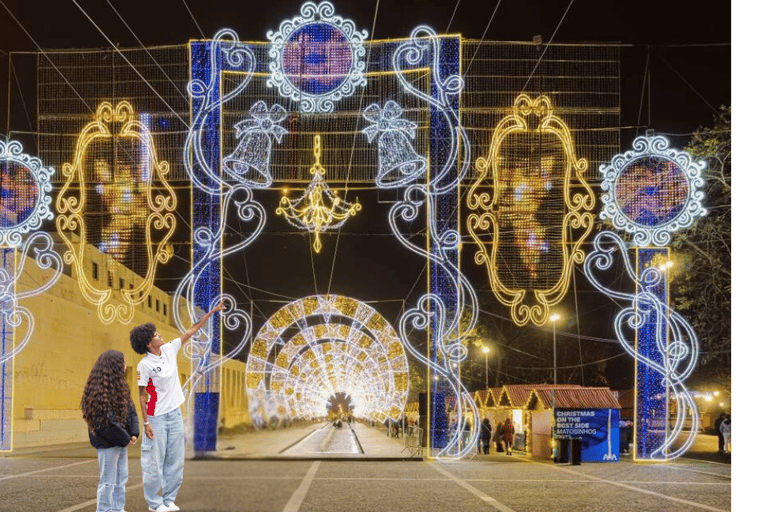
<point x="480" y="440"/>
<point x="112" y="425"/>
<point x="508" y="435"/>
<point x="485" y="435"/>
<point x="720" y="441"/>
<point x="497" y="437"/>
<point x="725" y="428"/>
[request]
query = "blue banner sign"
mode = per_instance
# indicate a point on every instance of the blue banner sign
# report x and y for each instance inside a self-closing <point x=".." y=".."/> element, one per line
<point x="598" y="430"/>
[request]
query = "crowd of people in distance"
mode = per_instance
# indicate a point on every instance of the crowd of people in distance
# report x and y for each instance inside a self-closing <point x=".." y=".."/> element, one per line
<point x="502" y="437"/>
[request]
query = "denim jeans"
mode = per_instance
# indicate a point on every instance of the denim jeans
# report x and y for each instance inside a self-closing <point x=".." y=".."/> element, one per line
<point x="113" y="466"/>
<point x="162" y="458"/>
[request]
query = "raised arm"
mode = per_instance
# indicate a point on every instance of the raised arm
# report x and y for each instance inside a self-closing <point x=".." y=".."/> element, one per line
<point x="193" y="330"/>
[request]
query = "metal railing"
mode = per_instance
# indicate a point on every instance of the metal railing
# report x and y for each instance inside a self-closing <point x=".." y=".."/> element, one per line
<point x="413" y="437"/>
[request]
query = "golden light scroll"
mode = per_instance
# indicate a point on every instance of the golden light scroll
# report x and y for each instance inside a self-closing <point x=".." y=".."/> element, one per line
<point x="531" y="207"/>
<point x="115" y="194"/>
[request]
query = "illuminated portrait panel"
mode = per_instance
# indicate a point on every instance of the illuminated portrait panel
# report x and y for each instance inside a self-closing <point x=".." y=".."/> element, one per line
<point x="24" y="187"/>
<point x="532" y="210"/>
<point x="529" y="209"/>
<point x="652" y="191"/>
<point x="117" y="180"/>
<point x="316" y="58"/>
<point x="19" y="194"/>
<point x="117" y="199"/>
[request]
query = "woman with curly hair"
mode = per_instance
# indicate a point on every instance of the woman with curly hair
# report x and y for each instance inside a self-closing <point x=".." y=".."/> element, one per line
<point x="112" y="425"/>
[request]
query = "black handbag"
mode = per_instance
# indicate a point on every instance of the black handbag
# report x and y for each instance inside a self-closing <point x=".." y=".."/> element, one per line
<point x="113" y="432"/>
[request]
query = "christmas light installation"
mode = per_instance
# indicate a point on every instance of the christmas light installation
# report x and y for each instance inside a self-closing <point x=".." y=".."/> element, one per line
<point x="399" y="163"/>
<point x="136" y="199"/>
<point x="533" y="170"/>
<point x="658" y="338"/>
<point x="652" y="191"/>
<point x="449" y="311"/>
<point x="221" y="193"/>
<point x="309" y="211"/>
<point x="249" y="162"/>
<point x="24" y="188"/>
<point x="317" y="347"/>
<point x="316" y="58"/>
<point x="24" y="204"/>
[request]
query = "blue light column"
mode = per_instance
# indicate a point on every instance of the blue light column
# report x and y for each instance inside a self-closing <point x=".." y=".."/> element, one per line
<point x="651" y="388"/>
<point x="206" y="214"/>
<point x="446" y="211"/>
<point x="8" y="258"/>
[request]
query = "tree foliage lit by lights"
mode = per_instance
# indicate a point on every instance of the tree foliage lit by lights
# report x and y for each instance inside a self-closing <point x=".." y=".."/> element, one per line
<point x="702" y="287"/>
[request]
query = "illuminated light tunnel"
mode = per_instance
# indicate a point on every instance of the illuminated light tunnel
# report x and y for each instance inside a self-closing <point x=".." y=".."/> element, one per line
<point x="322" y="346"/>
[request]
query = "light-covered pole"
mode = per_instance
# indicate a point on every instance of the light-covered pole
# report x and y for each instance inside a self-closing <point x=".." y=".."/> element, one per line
<point x="554" y="318"/>
<point x="485" y="351"/>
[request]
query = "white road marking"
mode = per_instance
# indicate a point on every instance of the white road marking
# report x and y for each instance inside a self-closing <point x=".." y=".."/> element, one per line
<point x="92" y="502"/>
<point x="699" y="472"/>
<point x="298" y="496"/>
<point x="409" y="479"/>
<point x="477" y="492"/>
<point x="630" y="487"/>
<point x="47" y="469"/>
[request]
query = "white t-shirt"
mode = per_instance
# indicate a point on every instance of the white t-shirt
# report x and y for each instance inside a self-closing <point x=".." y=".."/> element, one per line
<point x="160" y="375"/>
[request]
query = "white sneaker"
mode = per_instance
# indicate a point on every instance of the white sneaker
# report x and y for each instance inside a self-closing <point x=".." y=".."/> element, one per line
<point x="161" y="508"/>
<point x="172" y="507"/>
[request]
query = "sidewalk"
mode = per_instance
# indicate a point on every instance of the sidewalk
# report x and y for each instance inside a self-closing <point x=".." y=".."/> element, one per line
<point x="375" y="444"/>
<point x="270" y="445"/>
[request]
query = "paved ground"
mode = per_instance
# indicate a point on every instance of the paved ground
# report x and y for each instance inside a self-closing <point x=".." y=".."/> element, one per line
<point x="64" y="480"/>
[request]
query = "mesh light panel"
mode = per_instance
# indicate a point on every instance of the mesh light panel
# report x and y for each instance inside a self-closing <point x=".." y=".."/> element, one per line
<point x="124" y="163"/>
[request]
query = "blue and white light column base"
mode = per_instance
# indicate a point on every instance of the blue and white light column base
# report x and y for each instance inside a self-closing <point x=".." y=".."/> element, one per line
<point x="651" y="192"/>
<point x="652" y="341"/>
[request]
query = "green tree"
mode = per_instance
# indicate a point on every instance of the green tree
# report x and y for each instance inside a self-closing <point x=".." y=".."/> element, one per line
<point x="702" y="255"/>
<point x="417" y="382"/>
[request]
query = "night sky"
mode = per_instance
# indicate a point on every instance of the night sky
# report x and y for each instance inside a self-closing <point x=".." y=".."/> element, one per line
<point x="675" y="106"/>
<point x="686" y="43"/>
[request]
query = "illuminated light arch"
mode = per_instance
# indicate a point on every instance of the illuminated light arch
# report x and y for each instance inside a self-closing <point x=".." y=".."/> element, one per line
<point x="451" y="296"/>
<point x="645" y="321"/>
<point x="652" y="191"/>
<point x="309" y="211"/>
<point x="521" y="185"/>
<point x="156" y="206"/>
<point x="332" y="67"/>
<point x="321" y="345"/>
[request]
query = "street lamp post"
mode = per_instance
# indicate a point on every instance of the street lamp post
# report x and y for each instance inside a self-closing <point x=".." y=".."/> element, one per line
<point x="485" y="351"/>
<point x="554" y="318"/>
